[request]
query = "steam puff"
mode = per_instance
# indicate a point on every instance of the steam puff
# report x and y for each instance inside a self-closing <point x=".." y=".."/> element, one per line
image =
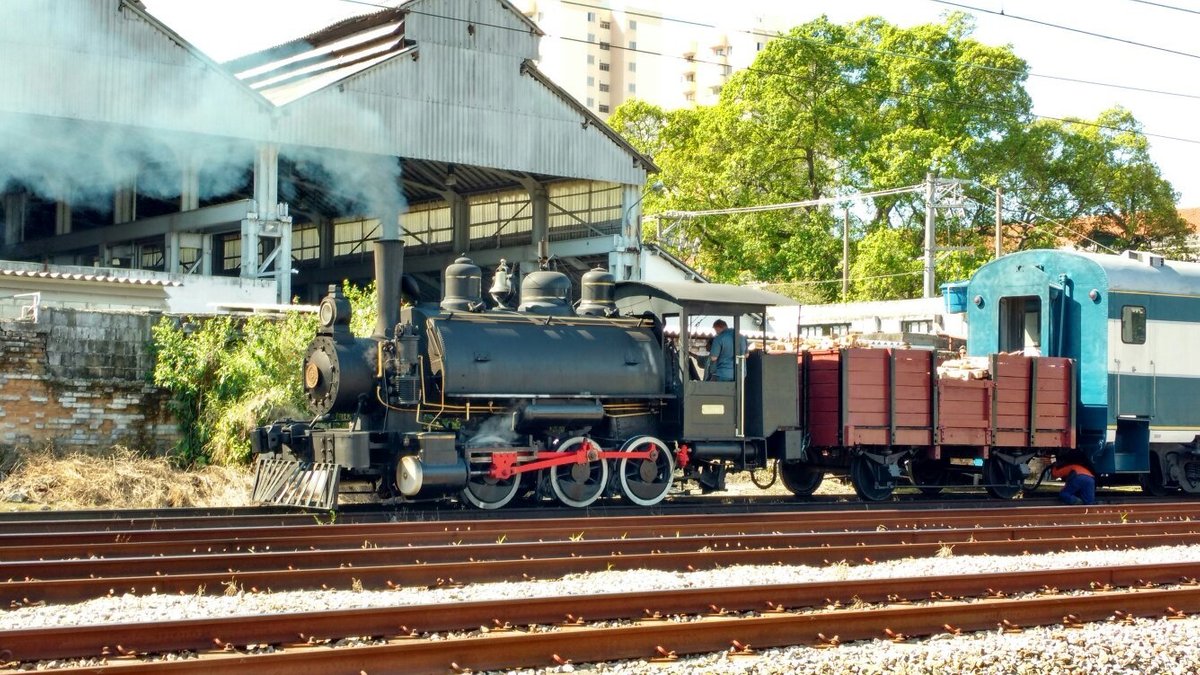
<point x="105" y="100"/>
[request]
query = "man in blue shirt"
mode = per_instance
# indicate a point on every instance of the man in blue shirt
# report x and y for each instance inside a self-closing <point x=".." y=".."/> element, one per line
<point x="721" y="353"/>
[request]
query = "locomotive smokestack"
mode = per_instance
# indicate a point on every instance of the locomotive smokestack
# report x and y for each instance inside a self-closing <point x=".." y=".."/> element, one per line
<point x="389" y="272"/>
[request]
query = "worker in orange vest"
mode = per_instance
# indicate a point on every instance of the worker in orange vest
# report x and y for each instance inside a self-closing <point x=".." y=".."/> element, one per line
<point x="1076" y="470"/>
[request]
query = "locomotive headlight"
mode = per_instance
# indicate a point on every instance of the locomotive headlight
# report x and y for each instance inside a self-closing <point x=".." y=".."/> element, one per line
<point x="327" y="313"/>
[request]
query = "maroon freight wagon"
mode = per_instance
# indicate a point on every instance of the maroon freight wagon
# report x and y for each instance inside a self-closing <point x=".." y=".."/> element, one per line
<point x="878" y="414"/>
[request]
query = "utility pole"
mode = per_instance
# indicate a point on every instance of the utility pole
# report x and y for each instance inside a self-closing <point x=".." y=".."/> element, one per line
<point x="930" y="245"/>
<point x="999" y="222"/>
<point x="845" y="254"/>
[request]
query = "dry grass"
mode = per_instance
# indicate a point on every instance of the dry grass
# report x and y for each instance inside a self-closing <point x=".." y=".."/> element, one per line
<point x="120" y="479"/>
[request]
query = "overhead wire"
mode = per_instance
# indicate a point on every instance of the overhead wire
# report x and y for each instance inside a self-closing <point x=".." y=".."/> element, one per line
<point x="1166" y="6"/>
<point x="1070" y="29"/>
<point x="764" y="71"/>
<point x="873" y="50"/>
<point x="828" y="200"/>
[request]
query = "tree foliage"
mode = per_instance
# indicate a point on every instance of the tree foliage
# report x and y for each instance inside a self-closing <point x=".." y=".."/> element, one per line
<point x="829" y="110"/>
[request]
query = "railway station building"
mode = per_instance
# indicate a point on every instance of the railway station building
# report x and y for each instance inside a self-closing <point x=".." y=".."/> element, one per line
<point x="128" y="154"/>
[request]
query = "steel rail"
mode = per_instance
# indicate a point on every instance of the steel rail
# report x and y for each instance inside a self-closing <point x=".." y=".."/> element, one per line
<point x="223" y="540"/>
<point x="374" y="553"/>
<point x="648" y="639"/>
<point x="205" y="634"/>
<point x="424" y="573"/>
<point x="102" y="531"/>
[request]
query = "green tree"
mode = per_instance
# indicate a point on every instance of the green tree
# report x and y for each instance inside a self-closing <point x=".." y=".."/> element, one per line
<point x="833" y="109"/>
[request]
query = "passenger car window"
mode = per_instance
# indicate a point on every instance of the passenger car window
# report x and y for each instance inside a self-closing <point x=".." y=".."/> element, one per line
<point x="1133" y="325"/>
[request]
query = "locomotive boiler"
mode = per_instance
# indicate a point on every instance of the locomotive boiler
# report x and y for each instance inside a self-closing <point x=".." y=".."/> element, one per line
<point x="545" y="399"/>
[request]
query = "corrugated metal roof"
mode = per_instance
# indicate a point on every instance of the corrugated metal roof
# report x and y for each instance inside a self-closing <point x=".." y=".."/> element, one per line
<point x="709" y="295"/>
<point x="437" y="81"/>
<point x="97" y="278"/>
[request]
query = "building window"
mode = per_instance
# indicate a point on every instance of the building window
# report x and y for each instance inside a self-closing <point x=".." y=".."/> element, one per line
<point x="604" y="46"/>
<point x="592" y="82"/>
<point x="591" y="17"/>
<point x="633" y="67"/>
<point x="603" y="108"/>
<point x="689" y="77"/>
<point x="917" y="326"/>
<point x="591" y="37"/>
<point x="689" y="97"/>
<point x="604" y="66"/>
<point x="632" y="24"/>
<point x="758" y="46"/>
<point x="306" y="243"/>
<point x="716" y="90"/>
<point x="632" y="44"/>
<point x="591" y="102"/>
<point x="591" y="59"/>
<point x="726" y="70"/>
<point x="1133" y="325"/>
<point x="632" y="88"/>
<point x="825" y="330"/>
<point x="603" y="86"/>
<point x="605" y="25"/>
<point x="718" y="51"/>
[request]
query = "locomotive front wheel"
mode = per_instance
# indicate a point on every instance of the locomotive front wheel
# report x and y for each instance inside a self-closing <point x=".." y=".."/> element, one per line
<point x="645" y="482"/>
<point x="484" y="492"/>
<point x="800" y="479"/>
<point x="872" y="480"/>
<point x="578" y="484"/>
<point x="1004" y="479"/>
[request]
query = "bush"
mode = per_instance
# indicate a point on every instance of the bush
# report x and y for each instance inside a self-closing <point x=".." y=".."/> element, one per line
<point x="228" y="375"/>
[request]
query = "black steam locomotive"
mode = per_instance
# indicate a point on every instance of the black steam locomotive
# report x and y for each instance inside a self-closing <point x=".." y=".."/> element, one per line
<point x="488" y="403"/>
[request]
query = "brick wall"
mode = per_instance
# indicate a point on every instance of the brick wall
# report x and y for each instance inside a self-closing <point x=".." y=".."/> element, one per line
<point x="80" y="380"/>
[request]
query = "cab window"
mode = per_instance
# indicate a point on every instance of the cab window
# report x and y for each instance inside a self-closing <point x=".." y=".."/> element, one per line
<point x="1133" y="325"/>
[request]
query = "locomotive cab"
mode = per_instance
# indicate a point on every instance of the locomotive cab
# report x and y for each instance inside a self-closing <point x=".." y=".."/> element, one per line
<point x="722" y="423"/>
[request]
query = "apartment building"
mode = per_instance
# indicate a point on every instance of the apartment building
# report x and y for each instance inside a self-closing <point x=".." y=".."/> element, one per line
<point x="604" y="53"/>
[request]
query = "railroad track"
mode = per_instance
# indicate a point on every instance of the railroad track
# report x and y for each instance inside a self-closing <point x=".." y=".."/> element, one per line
<point x="663" y="624"/>
<point x="438" y="554"/>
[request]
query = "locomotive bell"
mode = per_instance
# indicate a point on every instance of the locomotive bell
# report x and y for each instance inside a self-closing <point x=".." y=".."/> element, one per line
<point x="462" y="282"/>
<point x="546" y="292"/>
<point x="597" y="293"/>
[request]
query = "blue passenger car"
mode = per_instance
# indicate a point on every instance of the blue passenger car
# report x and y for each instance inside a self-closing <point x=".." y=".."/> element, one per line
<point x="1132" y="321"/>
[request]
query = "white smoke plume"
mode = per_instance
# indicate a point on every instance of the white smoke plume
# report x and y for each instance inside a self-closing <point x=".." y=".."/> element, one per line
<point x="72" y="66"/>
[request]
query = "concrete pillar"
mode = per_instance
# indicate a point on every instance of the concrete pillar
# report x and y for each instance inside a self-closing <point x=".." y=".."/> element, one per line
<point x="189" y="186"/>
<point x="14" y="212"/>
<point x="125" y="204"/>
<point x="266" y="181"/>
<point x="631" y="210"/>
<point x="62" y="218"/>
<point x="539" y="200"/>
<point x="325" y="243"/>
<point x="283" y="263"/>
<point x="249" y="249"/>
<point x="460" y="222"/>
<point x="171" y="254"/>
<point x="206" y="254"/>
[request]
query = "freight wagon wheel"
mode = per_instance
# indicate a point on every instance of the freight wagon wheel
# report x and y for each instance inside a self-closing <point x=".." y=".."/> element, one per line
<point x="872" y="480"/>
<point x="1004" y="479"/>
<point x="578" y="484"/>
<point x="800" y="479"/>
<point x="645" y="482"/>
<point x="484" y="492"/>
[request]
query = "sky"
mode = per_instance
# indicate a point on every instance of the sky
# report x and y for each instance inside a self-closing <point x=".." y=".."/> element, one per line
<point x="224" y="29"/>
